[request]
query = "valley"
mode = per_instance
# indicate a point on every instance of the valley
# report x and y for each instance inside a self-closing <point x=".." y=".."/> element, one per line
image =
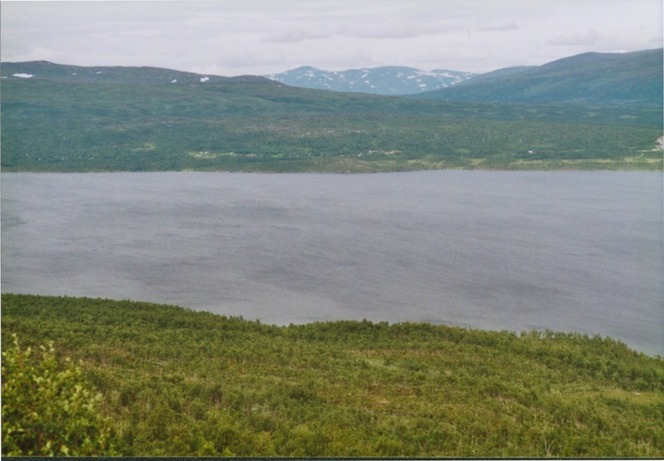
<point x="332" y="230"/>
<point x="68" y="118"/>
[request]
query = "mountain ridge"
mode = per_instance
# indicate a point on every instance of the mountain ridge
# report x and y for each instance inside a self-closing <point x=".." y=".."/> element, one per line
<point x="588" y="78"/>
<point x="114" y="74"/>
<point x="384" y="80"/>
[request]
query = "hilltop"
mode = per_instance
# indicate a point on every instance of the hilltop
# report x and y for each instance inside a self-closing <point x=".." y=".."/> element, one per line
<point x="602" y="79"/>
<point x="45" y="70"/>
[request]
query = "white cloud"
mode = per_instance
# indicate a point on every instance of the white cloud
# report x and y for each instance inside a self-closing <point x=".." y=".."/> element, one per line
<point x="588" y="38"/>
<point x="297" y="36"/>
<point x="504" y="27"/>
<point x="234" y="37"/>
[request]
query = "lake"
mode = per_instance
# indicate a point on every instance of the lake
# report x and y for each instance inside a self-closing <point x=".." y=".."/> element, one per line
<point x="568" y="251"/>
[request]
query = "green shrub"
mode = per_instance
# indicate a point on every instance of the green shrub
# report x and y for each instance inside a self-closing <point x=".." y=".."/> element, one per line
<point x="177" y="382"/>
<point x="46" y="407"/>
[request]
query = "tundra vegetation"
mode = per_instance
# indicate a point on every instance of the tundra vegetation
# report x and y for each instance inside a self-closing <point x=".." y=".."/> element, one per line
<point x="143" y="379"/>
<point x="253" y="124"/>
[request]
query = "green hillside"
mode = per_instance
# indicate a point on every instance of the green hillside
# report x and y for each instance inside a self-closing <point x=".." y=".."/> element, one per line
<point x="601" y="79"/>
<point x="45" y="70"/>
<point x="136" y="119"/>
<point x="175" y="382"/>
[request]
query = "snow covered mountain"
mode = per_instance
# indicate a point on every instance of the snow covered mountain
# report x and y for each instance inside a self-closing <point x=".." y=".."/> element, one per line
<point x="389" y="80"/>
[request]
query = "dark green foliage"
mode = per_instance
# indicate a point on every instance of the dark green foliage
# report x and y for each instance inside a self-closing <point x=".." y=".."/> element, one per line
<point x="133" y="119"/>
<point x="178" y="382"/>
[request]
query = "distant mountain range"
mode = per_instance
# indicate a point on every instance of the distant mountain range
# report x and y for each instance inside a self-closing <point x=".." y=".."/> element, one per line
<point x="380" y="80"/>
<point x="589" y="78"/>
<point x="388" y="80"/>
<point x="587" y="111"/>
<point x="586" y="79"/>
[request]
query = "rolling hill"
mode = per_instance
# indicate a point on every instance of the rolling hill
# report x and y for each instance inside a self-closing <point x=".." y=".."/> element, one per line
<point x="591" y="79"/>
<point x="71" y="118"/>
<point x="45" y="70"/>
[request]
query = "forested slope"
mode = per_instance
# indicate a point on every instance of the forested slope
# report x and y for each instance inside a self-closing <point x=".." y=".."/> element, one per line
<point x="178" y="382"/>
<point x="67" y="118"/>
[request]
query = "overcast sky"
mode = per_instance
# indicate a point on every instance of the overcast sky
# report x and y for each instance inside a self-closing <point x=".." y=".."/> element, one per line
<point x="234" y="37"/>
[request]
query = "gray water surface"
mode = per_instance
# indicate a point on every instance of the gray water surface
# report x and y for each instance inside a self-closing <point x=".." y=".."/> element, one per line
<point x="569" y="251"/>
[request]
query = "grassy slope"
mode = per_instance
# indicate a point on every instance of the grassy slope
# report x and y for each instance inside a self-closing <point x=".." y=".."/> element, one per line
<point x="257" y="125"/>
<point x="177" y="382"/>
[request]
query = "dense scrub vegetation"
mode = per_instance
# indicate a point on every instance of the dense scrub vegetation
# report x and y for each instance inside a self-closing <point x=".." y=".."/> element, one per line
<point x="46" y="407"/>
<point x="258" y="125"/>
<point x="178" y="382"/>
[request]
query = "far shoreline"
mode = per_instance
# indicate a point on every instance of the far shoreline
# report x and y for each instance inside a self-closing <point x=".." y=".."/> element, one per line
<point x="628" y="165"/>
